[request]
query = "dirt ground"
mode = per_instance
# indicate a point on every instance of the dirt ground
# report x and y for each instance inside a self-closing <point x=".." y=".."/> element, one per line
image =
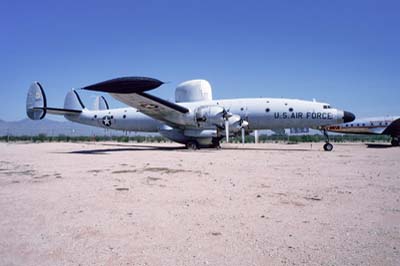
<point x="159" y="204"/>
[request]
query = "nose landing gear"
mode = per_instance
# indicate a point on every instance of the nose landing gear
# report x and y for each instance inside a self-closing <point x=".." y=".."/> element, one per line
<point x="327" y="146"/>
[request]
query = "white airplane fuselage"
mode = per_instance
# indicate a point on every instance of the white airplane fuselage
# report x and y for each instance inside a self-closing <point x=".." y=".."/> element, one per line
<point x="261" y="113"/>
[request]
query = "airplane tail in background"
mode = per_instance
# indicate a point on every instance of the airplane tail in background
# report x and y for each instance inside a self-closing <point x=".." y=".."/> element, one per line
<point x="36" y="103"/>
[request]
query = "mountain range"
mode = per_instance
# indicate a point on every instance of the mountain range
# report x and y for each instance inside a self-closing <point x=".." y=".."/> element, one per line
<point x="51" y="128"/>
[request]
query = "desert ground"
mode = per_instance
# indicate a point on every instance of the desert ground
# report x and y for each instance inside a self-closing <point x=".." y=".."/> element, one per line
<point x="159" y="204"/>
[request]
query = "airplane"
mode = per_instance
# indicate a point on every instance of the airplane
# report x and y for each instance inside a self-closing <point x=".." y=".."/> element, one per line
<point x="388" y="125"/>
<point x="195" y="119"/>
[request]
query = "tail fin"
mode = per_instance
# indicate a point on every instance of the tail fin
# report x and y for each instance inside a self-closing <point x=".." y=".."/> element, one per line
<point x="73" y="102"/>
<point x="36" y="103"/>
<point x="100" y="103"/>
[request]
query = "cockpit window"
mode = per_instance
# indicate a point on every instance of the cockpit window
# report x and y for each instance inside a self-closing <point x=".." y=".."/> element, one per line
<point x="327" y="107"/>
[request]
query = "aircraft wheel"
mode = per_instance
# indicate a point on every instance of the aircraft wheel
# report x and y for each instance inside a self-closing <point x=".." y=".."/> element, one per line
<point x="216" y="144"/>
<point x="395" y="142"/>
<point x="192" y="145"/>
<point x="328" y="147"/>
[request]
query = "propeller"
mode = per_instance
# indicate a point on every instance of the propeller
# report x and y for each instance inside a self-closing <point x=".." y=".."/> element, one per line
<point x="226" y="114"/>
<point x="227" y="130"/>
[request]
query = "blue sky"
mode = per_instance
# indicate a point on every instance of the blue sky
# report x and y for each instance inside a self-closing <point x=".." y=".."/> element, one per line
<point x="346" y="53"/>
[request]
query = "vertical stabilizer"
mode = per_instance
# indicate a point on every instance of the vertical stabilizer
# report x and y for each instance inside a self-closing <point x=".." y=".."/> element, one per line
<point x="36" y="102"/>
<point x="100" y="103"/>
<point x="73" y="101"/>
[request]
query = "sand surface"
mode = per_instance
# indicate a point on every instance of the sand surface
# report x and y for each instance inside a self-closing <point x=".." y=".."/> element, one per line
<point x="150" y="204"/>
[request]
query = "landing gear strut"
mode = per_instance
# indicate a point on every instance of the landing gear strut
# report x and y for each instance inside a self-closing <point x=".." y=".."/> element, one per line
<point x="327" y="146"/>
<point x="395" y="141"/>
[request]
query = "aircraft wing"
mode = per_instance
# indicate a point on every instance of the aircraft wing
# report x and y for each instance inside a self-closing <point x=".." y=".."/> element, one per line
<point x="393" y="129"/>
<point x="131" y="91"/>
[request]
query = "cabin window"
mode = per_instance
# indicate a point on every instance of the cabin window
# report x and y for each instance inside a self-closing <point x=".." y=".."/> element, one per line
<point x="352" y="125"/>
<point x="241" y="109"/>
<point x="267" y="110"/>
<point x="290" y="109"/>
<point x="380" y="123"/>
<point x="112" y="117"/>
<point x="95" y="116"/>
<point x="372" y="124"/>
<point x="124" y="116"/>
<point x="358" y="125"/>
<point x="347" y="125"/>
<point x="285" y="103"/>
<point x="363" y="125"/>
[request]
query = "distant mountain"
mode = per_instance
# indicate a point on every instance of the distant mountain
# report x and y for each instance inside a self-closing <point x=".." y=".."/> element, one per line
<point x="54" y="128"/>
<point x="51" y="128"/>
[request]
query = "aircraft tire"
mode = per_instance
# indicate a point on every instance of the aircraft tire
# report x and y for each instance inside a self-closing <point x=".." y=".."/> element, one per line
<point x="395" y="142"/>
<point x="328" y="147"/>
<point x="192" y="145"/>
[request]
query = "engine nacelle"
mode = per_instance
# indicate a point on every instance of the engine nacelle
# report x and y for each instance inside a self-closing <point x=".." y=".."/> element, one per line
<point x="193" y="91"/>
<point x="210" y="115"/>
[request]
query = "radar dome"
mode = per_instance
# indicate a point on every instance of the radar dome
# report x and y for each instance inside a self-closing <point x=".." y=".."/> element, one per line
<point x="193" y="91"/>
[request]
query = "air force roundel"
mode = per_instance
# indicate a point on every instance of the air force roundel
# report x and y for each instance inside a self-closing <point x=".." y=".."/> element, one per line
<point x="107" y="121"/>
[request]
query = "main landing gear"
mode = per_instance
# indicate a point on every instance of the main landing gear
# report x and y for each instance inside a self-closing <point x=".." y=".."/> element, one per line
<point x="395" y="141"/>
<point x="192" y="145"/>
<point x="216" y="143"/>
<point x="327" y="146"/>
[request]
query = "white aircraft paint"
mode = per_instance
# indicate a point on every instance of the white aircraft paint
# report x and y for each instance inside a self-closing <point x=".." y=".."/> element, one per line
<point x="198" y="121"/>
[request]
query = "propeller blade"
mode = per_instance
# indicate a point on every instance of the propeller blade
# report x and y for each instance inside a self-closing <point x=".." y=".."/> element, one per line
<point x="256" y="136"/>
<point x="227" y="131"/>
<point x="243" y="135"/>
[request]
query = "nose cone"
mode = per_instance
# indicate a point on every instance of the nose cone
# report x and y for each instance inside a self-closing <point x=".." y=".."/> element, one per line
<point x="348" y="117"/>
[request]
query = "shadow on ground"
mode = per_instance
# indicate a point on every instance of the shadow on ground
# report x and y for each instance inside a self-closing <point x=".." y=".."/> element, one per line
<point x="109" y="148"/>
<point x="379" y="146"/>
<point x="122" y="148"/>
<point x="263" y="149"/>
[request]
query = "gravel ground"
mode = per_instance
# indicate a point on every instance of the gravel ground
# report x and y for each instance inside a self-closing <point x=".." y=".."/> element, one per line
<point x="159" y="204"/>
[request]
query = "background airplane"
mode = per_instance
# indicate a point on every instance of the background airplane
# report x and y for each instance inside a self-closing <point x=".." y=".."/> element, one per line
<point x="195" y="119"/>
<point x="388" y="125"/>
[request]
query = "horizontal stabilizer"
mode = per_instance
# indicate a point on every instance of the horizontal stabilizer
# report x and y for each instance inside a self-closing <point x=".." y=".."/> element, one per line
<point x="57" y="111"/>
<point x="126" y="85"/>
